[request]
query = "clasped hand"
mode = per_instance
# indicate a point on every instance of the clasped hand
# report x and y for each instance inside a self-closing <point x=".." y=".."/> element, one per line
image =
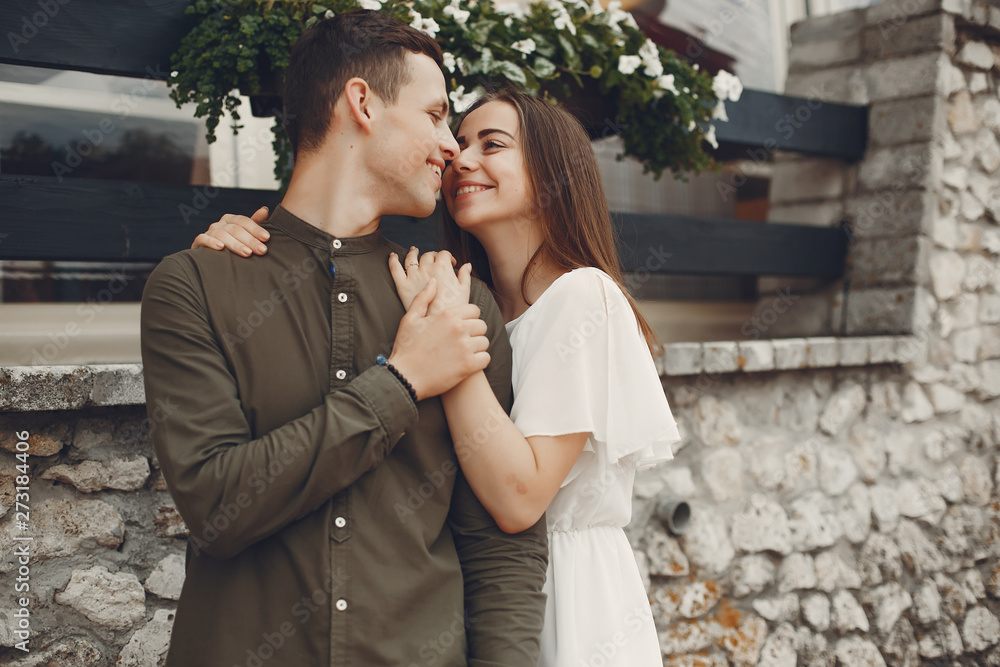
<point x="441" y="338"/>
<point x="412" y="275"/>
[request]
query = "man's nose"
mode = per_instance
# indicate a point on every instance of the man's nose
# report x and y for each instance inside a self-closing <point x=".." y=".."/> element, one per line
<point x="449" y="147"/>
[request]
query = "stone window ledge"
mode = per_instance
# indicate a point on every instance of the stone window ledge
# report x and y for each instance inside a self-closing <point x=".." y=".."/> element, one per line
<point x="781" y="354"/>
<point x="31" y="388"/>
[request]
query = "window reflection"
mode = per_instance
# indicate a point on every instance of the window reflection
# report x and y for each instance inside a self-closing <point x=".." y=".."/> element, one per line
<point x="62" y="143"/>
<point x="76" y="125"/>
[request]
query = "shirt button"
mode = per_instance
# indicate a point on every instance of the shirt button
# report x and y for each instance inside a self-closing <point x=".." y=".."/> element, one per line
<point x="342" y="297"/>
<point x="340" y="522"/>
<point x="341" y="604"/>
<point x="337" y="243"/>
<point x="341" y="374"/>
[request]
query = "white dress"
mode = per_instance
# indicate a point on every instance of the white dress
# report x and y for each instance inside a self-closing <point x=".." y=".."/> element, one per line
<point x="582" y="365"/>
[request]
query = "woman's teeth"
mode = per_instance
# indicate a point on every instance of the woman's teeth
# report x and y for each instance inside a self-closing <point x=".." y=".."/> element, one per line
<point x="470" y="188"/>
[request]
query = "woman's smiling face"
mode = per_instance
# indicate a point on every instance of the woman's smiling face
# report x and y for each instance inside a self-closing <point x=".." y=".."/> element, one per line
<point x="488" y="181"/>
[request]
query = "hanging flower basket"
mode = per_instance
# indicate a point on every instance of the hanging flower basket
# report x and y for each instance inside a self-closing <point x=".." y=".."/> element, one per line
<point x="593" y="60"/>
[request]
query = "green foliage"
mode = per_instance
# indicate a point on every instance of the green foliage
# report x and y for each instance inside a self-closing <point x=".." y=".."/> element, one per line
<point x="232" y="46"/>
<point x="661" y="106"/>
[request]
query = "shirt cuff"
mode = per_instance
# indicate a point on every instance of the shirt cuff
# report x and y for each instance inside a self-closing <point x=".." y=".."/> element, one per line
<point x="389" y="400"/>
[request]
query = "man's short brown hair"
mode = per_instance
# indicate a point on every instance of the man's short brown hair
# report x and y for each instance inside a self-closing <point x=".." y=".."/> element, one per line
<point x="366" y="44"/>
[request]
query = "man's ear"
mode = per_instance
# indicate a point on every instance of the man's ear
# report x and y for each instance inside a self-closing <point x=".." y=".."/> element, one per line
<point x="360" y="103"/>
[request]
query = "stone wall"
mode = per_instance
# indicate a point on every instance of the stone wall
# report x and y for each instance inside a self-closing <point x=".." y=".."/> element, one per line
<point x="850" y="515"/>
<point x="105" y="560"/>
<point x="844" y="492"/>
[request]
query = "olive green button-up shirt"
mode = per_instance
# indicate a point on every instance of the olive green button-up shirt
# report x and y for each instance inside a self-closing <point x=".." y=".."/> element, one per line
<point x="330" y="522"/>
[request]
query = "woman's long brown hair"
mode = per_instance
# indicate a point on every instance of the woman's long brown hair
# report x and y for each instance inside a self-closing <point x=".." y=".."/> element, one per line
<point x="568" y="198"/>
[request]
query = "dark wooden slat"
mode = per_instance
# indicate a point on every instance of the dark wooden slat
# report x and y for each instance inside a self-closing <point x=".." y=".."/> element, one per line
<point x="91" y="220"/>
<point x="712" y="246"/>
<point x="762" y="123"/>
<point x="114" y="221"/>
<point x="125" y="37"/>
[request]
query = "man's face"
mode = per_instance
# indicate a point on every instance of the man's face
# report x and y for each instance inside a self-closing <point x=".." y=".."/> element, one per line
<point x="412" y="141"/>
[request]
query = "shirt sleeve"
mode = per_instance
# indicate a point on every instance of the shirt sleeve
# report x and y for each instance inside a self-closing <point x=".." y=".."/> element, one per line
<point x="504" y="574"/>
<point x="583" y="366"/>
<point x="203" y="440"/>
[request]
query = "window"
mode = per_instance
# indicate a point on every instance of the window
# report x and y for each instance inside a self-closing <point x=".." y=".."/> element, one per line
<point x="67" y="125"/>
<point x="77" y="125"/>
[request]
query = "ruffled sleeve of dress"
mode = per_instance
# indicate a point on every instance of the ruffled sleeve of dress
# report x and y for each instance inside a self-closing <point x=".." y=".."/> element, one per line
<point x="581" y="364"/>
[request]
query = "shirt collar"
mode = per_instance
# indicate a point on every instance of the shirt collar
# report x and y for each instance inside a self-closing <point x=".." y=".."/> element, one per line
<point x="312" y="235"/>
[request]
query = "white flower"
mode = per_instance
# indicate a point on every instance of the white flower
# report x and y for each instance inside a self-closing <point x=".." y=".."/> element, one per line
<point x="370" y="4"/>
<point x="653" y="68"/>
<point x="564" y="22"/>
<point x="719" y="112"/>
<point x="525" y="46"/>
<point x="615" y="13"/>
<point x="664" y="84"/>
<point x="508" y="21"/>
<point x="328" y="14"/>
<point x="727" y="86"/>
<point x="596" y="7"/>
<point x="628" y="64"/>
<point x="651" y="59"/>
<point x="461" y="99"/>
<point x="427" y="26"/>
<point x="710" y="137"/>
<point x="430" y="27"/>
<point x="648" y="51"/>
<point x="510" y="9"/>
<point x="449" y="62"/>
<point x="460" y="15"/>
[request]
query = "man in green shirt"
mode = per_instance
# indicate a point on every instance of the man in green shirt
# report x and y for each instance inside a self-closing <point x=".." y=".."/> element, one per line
<point x="330" y="523"/>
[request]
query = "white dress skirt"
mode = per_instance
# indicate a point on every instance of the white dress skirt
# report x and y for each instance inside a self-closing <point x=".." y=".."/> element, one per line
<point x="581" y="365"/>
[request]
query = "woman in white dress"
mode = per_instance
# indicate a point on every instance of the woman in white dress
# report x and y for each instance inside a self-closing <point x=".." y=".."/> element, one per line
<point x="528" y="211"/>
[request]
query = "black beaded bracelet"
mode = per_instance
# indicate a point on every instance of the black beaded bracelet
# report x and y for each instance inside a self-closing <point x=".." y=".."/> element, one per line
<point x="382" y="361"/>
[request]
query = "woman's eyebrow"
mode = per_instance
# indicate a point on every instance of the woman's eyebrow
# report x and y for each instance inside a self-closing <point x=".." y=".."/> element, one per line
<point x="484" y="133"/>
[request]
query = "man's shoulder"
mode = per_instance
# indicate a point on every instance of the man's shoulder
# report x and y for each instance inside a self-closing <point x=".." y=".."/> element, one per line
<point x="394" y="247"/>
<point x="200" y="272"/>
<point x="481" y="295"/>
<point x="190" y="263"/>
<point x="175" y="265"/>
